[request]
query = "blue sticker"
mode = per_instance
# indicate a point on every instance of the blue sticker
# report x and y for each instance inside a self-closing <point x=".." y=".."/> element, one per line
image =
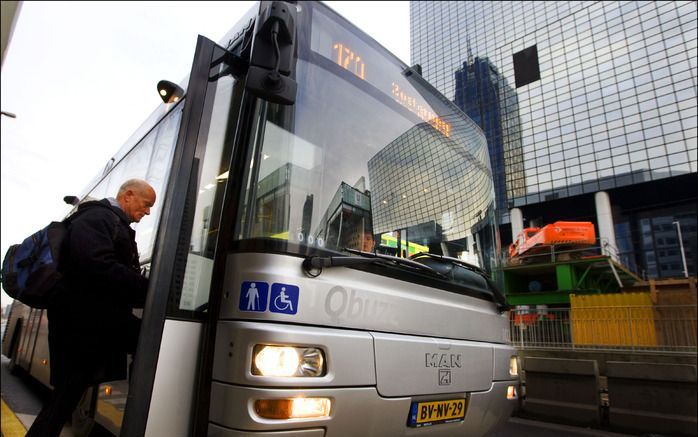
<point x="284" y="299"/>
<point x="253" y="296"/>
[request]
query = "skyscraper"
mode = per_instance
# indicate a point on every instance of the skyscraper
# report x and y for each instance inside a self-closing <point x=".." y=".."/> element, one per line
<point x="477" y="94"/>
<point x="597" y="111"/>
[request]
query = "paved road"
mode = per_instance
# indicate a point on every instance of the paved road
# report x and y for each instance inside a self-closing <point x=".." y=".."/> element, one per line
<point x="517" y="427"/>
<point x="24" y="397"/>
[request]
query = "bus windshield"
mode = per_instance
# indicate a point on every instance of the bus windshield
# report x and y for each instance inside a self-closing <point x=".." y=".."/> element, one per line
<point x="370" y="158"/>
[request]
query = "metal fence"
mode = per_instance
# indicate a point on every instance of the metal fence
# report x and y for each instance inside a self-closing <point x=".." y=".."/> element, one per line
<point x="668" y="328"/>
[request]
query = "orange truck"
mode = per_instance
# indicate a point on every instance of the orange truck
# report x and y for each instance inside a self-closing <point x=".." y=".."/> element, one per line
<point x="535" y="240"/>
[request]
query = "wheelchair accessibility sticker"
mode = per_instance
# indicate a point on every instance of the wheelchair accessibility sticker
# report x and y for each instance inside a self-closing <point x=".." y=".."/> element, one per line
<point x="254" y="297"/>
<point x="284" y="299"/>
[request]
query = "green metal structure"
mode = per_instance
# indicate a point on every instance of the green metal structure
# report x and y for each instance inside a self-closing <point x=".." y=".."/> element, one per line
<point x="549" y="281"/>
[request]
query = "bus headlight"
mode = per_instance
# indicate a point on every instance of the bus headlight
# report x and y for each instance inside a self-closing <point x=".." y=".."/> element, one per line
<point x="289" y="361"/>
<point x="297" y="408"/>
<point x="513" y="366"/>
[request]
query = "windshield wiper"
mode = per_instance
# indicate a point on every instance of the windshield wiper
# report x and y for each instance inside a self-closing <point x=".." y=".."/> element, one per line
<point x="499" y="297"/>
<point x="457" y="261"/>
<point x="318" y="262"/>
<point x="313" y="266"/>
<point x="397" y="260"/>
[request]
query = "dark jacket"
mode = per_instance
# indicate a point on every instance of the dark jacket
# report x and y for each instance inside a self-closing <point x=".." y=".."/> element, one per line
<point x="91" y="325"/>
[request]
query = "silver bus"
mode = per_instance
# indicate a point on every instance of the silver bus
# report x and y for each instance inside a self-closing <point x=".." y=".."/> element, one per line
<point x="319" y="253"/>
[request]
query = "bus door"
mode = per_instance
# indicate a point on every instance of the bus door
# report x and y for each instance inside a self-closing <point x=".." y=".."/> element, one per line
<point x="169" y="388"/>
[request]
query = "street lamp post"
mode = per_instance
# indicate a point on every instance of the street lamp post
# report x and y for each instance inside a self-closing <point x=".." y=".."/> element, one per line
<point x="683" y="254"/>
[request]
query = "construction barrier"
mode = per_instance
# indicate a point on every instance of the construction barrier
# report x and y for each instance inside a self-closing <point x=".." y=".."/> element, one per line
<point x="652" y="398"/>
<point x="618" y="319"/>
<point x="563" y="390"/>
<point x="675" y="311"/>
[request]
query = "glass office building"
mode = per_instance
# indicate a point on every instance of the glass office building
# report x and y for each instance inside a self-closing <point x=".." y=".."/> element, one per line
<point x="591" y="98"/>
<point x="477" y="86"/>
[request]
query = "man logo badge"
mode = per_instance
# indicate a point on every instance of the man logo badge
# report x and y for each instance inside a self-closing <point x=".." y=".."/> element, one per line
<point x="444" y="377"/>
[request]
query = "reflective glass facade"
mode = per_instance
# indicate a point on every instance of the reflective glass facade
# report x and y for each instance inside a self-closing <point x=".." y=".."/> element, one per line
<point x="616" y="100"/>
<point x="592" y="95"/>
<point x="477" y="94"/>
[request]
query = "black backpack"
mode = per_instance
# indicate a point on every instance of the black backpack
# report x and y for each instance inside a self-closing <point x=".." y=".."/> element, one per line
<point x="30" y="269"/>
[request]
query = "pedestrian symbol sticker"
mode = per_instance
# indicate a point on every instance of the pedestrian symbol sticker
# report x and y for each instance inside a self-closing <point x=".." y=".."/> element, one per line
<point x="283" y="299"/>
<point x="253" y="296"/>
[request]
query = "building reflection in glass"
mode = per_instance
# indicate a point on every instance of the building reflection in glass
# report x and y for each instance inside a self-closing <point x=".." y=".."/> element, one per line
<point x="435" y="191"/>
<point x="480" y="90"/>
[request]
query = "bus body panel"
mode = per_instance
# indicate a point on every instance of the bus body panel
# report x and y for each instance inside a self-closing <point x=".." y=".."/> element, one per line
<point x="503" y="356"/>
<point x="358" y="411"/>
<point x="353" y="410"/>
<point x="26" y="341"/>
<point x="173" y="391"/>
<point x="409" y="365"/>
<point x="30" y="328"/>
<point x="40" y="368"/>
<point x="16" y="322"/>
<point x="366" y="373"/>
<point x="218" y="431"/>
<point x="488" y="410"/>
<point x="350" y="298"/>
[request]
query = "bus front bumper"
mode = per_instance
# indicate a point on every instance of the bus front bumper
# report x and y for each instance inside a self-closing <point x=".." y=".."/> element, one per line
<point x="354" y="411"/>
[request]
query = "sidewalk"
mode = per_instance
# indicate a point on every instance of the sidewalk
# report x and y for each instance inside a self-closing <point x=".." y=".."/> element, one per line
<point x="21" y="402"/>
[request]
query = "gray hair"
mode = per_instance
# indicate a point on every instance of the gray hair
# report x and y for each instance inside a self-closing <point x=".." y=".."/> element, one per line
<point x="138" y="185"/>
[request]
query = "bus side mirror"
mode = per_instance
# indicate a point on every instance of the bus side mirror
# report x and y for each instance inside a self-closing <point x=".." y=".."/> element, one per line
<point x="272" y="65"/>
<point x="71" y="200"/>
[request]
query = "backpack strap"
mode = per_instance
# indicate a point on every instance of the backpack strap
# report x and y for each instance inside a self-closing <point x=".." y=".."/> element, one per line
<point x="117" y="220"/>
<point x="35" y="253"/>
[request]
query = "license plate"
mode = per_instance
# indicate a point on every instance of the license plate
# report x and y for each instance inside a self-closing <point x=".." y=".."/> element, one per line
<point x="435" y="412"/>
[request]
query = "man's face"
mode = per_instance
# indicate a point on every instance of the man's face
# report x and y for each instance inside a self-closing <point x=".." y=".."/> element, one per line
<point x="367" y="243"/>
<point x="137" y="203"/>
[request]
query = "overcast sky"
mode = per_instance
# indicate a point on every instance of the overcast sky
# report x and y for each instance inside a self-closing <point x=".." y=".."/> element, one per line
<point x="81" y="76"/>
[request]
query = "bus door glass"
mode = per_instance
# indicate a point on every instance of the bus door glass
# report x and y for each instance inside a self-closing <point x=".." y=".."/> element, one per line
<point x="184" y="247"/>
<point x="213" y="157"/>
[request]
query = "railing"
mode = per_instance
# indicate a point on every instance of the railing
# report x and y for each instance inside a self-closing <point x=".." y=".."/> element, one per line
<point x="631" y="328"/>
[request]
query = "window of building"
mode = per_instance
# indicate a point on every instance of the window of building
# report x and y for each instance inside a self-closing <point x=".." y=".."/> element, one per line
<point x="526" y="68"/>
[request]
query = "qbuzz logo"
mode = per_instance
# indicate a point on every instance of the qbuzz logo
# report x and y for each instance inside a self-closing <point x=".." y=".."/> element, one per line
<point x="255" y="296"/>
